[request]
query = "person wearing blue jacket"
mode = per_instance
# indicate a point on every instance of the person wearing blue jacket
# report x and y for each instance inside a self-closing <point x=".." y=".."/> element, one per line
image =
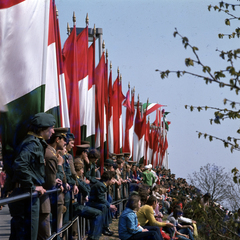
<point x="128" y="227"/>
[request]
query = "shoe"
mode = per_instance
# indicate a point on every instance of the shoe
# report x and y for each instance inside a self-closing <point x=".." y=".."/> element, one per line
<point x="107" y="232"/>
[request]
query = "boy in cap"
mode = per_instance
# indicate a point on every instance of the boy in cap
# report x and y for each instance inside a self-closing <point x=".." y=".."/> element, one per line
<point x="29" y="176"/>
<point x="55" y="176"/>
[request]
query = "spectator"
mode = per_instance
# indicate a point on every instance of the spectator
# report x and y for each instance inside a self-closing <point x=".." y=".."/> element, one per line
<point x="128" y="227"/>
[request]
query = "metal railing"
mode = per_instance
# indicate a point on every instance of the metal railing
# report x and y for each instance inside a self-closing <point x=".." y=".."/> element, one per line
<point x="66" y="227"/>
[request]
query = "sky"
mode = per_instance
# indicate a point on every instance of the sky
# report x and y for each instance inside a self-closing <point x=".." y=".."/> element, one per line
<point x="138" y="35"/>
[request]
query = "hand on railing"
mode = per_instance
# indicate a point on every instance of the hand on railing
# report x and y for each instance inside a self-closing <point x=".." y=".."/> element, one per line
<point x="113" y="208"/>
<point x="40" y="190"/>
<point x="58" y="181"/>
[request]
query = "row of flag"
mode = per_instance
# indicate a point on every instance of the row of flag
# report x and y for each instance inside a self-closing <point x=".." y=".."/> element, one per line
<point x="38" y="75"/>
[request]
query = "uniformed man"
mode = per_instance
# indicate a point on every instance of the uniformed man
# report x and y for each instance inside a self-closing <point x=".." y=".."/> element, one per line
<point x="97" y="199"/>
<point x="81" y="155"/>
<point x="93" y="157"/>
<point x="55" y="177"/>
<point x="29" y="176"/>
<point x="95" y="215"/>
<point x="70" y="183"/>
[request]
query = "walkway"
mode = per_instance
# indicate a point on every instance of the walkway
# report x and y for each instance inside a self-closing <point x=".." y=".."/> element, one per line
<point x="5" y="223"/>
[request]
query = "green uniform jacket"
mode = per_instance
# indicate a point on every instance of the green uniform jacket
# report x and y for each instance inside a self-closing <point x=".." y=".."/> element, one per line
<point x="29" y="167"/>
<point x="98" y="192"/>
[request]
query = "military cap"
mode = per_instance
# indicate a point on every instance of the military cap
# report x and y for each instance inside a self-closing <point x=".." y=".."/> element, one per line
<point x="83" y="147"/>
<point x="109" y="162"/>
<point x="132" y="162"/>
<point x="85" y="142"/>
<point x="119" y="155"/>
<point x="60" y="132"/>
<point x="70" y="135"/>
<point x="94" y="153"/>
<point x="126" y="154"/>
<point x="43" y="120"/>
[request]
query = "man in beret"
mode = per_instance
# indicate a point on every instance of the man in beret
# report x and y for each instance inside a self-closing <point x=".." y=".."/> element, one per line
<point x="93" y="157"/>
<point x="81" y="155"/>
<point x="55" y="177"/>
<point x="29" y="176"/>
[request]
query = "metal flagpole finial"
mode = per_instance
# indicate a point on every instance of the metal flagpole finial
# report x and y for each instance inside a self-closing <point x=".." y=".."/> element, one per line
<point x="129" y="85"/>
<point x="148" y="118"/>
<point x="106" y="53"/>
<point x="118" y="70"/>
<point x="87" y="20"/>
<point x="94" y="30"/>
<point x="120" y="78"/>
<point x="111" y="65"/>
<point x="103" y="46"/>
<point x="147" y="102"/>
<point x="56" y="12"/>
<point x="138" y="97"/>
<point x="68" y="29"/>
<point x="74" y="18"/>
<point x="133" y="89"/>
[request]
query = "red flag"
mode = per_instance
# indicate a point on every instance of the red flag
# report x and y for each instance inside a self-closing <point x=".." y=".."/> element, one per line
<point x="110" y="115"/>
<point x="99" y="77"/>
<point x="147" y="140"/>
<point x="118" y="97"/>
<point x="106" y="107"/>
<point x="90" y="116"/>
<point x="82" y="76"/>
<point x="70" y="63"/>
<point x="128" y="140"/>
<point x="139" y="134"/>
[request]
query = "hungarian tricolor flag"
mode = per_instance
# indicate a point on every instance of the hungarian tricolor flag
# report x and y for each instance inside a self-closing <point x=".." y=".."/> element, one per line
<point x="28" y="85"/>
<point x="151" y="107"/>
<point x="139" y="136"/>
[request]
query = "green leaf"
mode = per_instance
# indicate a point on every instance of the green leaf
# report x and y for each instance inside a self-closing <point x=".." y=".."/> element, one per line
<point x="225" y="144"/>
<point x="186" y="106"/>
<point x="227" y="22"/>
<point x="235" y="179"/>
<point x="199" y="135"/>
<point x="175" y="33"/>
<point x="210" y="138"/>
<point x="209" y="8"/>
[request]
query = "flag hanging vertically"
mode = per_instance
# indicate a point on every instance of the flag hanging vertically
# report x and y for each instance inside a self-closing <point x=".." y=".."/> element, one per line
<point x="90" y="116"/>
<point x="63" y="102"/>
<point x="23" y="36"/>
<point x="51" y="100"/>
<point x="139" y="136"/>
<point x="70" y="63"/>
<point x="82" y="76"/>
<point x="128" y="139"/>
<point x="147" y="143"/>
<point x="110" y="114"/>
<point x="99" y="82"/>
<point x="117" y="98"/>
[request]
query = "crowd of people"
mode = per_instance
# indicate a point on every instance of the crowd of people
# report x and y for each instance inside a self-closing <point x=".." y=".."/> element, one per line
<point x="44" y="162"/>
